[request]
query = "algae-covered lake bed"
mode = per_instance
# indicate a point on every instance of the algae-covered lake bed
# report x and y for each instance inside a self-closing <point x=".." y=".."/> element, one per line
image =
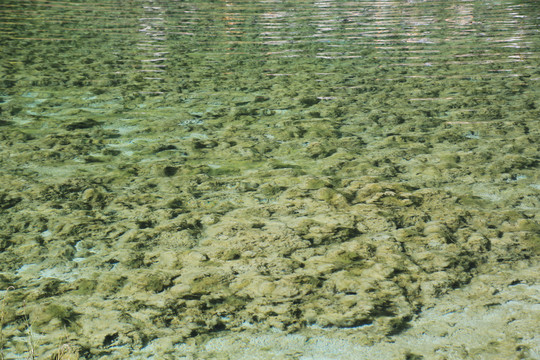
<point x="271" y="179"/>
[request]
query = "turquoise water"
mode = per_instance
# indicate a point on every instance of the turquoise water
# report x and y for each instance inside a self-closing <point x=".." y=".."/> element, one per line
<point x="188" y="168"/>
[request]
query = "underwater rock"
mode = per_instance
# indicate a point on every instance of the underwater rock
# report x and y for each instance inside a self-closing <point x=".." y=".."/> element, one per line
<point x="308" y="100"/>
<point x="82" y="124"/>
<point x="8" y="201"/>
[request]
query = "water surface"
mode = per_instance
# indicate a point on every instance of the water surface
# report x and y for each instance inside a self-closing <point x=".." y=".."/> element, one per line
<point x="173" y="170"/>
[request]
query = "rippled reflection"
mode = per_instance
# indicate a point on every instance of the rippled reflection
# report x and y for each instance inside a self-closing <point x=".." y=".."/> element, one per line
<point x="404" y="40"/>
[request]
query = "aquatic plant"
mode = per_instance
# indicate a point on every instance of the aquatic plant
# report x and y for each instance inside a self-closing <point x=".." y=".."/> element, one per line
<point x="65" y="352"/>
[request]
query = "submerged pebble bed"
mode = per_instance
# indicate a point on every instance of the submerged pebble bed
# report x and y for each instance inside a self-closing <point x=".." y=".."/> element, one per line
<point x="177" y="170"/>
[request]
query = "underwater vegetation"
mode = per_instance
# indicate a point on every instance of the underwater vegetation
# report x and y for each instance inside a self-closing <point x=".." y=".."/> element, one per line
<point x="182" y="170"/>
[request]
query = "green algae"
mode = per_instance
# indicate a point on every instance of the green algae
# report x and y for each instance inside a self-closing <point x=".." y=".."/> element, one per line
<point x="333" y="179"/>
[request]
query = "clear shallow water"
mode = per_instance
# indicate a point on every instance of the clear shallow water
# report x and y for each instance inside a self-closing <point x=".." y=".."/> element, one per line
<point x="158" y="157"/>
<point x="445" y="61"/>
